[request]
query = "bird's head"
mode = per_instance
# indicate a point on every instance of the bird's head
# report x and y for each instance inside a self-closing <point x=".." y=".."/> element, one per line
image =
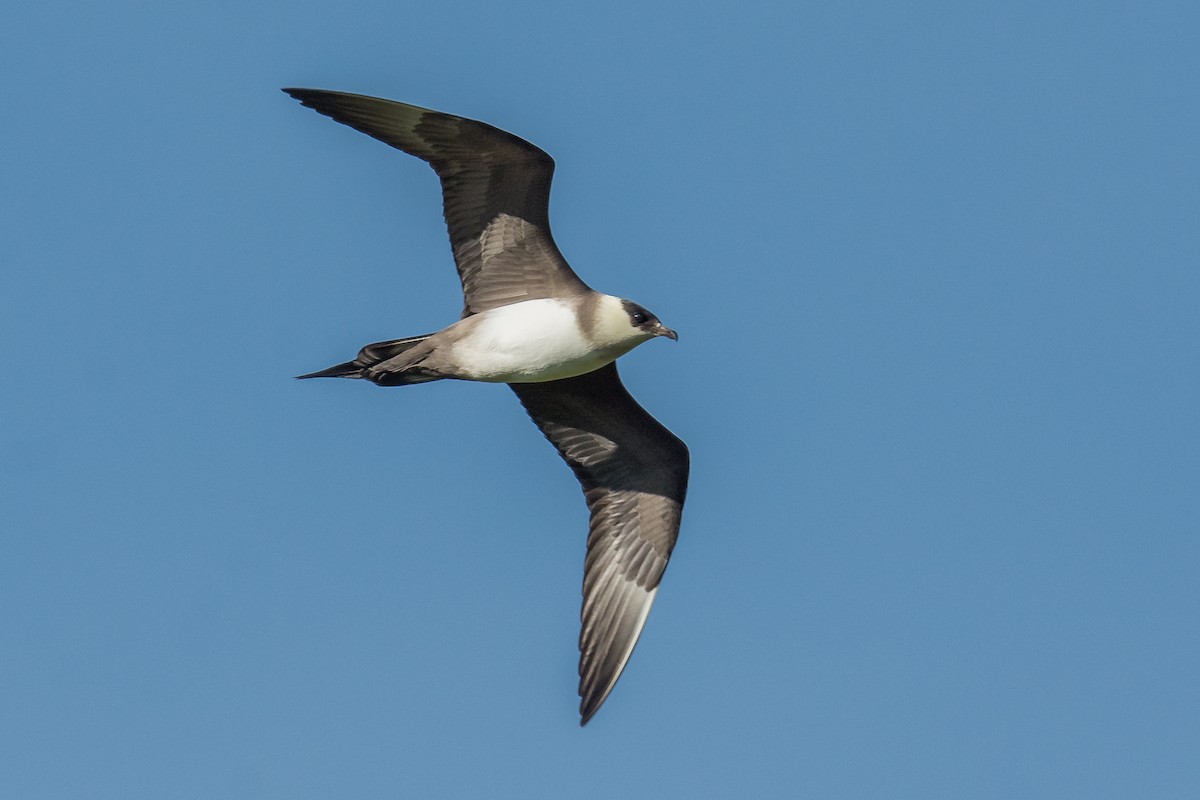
<point x="646" y="323"/>
<point x="625" y="324"/>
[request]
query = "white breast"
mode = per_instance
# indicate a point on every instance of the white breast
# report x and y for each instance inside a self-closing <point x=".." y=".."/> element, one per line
<point x="538" y="340"/>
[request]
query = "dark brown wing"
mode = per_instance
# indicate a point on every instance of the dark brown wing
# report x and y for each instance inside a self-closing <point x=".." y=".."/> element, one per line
<point x="634" y="474"/>
<point x="495" y="195"/>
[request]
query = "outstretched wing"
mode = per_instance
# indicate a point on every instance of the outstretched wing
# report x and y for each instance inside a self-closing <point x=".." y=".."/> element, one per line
<point x="634" y="474"/>
<point x="495" y="195"/>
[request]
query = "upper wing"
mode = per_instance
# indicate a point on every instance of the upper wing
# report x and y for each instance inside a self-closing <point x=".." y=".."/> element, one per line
<point x="634" y="474"/>
<point x="495" y="195"/>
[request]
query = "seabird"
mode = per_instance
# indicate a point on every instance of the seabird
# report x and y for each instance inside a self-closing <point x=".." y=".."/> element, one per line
<point x="529" y="321"/>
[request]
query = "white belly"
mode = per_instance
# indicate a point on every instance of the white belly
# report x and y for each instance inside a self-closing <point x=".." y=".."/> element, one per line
<point x="530" y="342"/>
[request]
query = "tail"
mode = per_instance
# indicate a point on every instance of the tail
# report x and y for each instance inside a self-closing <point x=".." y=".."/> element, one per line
<point x="374" y="354"/>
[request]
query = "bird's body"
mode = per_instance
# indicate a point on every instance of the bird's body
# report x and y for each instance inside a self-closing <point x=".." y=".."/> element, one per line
<point x="530" y="322"/>
<point x="528" y="342"/>
<point x="541" y="340"/>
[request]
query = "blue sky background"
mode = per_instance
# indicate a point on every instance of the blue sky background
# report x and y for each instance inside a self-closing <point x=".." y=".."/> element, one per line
<point x="935" y="270"/>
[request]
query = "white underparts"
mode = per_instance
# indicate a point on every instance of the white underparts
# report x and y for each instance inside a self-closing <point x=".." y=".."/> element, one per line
<point x="541" y="340"/>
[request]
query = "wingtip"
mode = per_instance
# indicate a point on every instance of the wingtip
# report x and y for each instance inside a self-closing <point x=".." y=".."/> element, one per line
<point x="303" y="95"/>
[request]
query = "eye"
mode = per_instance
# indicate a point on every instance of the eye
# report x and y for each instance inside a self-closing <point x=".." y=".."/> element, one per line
<point x="639" y="317"/>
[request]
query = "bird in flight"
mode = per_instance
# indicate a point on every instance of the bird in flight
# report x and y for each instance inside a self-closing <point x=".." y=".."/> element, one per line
<point x="529" y="321"/>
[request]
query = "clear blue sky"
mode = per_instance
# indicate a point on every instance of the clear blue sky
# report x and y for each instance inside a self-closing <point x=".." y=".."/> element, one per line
<point x="936" y="273"/>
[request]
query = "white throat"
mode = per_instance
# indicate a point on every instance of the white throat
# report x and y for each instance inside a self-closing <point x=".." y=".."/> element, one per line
<point x="611" y="326"/>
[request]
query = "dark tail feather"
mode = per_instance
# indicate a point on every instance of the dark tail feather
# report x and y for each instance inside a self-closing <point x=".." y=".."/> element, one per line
<point x="351" y="369"/>
<point x="374" y="354"/>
